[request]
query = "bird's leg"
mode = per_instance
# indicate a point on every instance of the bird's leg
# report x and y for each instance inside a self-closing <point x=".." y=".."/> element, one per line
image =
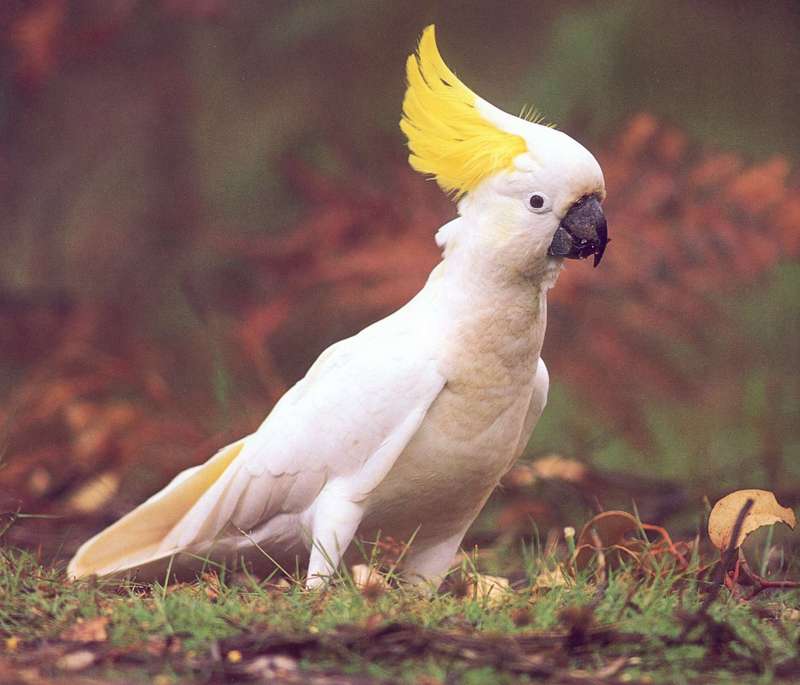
<point x="429" y="564"/>
<point x="336" y="520"/>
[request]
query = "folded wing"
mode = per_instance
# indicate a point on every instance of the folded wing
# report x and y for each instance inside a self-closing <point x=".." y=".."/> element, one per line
<point x="347" y="420"/>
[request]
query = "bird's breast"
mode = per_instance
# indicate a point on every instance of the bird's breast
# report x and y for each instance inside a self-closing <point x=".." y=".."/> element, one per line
<point x="457" y="457"/>
<point x="488" y="352"/>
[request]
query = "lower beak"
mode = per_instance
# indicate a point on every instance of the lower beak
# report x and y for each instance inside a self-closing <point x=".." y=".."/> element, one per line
<point x="582" y="232"/>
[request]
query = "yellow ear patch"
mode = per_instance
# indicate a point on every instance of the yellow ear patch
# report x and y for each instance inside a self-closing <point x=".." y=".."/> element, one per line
<point x="447" y="136"/>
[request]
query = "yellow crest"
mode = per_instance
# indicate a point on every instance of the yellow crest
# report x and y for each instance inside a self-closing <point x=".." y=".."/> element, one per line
<point x="447" y="136"/>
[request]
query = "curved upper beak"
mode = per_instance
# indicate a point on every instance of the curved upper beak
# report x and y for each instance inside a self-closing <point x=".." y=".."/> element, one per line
<point x="582" y="232"/>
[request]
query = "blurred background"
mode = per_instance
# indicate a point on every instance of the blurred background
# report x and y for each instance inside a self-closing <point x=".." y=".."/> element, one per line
<point x="200" y="195"/>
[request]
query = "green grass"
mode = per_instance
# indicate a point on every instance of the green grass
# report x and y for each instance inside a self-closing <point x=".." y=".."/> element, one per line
<point x="630" y="629"/>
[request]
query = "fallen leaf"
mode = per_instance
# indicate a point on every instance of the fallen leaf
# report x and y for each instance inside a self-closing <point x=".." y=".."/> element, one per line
<point x="555" y="467"/>
<point x="92" y="630"/>
<point x="95" y="493"/>
<point x="550" y="578"/>
<point x="765" y="512"/>
<point x="606" y="532"/>
<point x="611" y="528"/>
<point x="491" y="589"/>
<point x="270" y="668"/>
<point x="551" y="467"/>
<point x="368" y="578"/>
<point x="76" y="661"/>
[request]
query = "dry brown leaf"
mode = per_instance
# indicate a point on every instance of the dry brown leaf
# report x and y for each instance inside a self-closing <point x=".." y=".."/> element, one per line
<point x="611" y="528"/>
<point x="91" y="630"/>
<point x="95" y="493"/>
<point x="76" y="661"/>
<point x="556" y="467"/>
<point x="765" y="512"/>
<point x="365" y="576"/>
<point x="550" y="467"/>
<point x="491" y="589"/>
<point x="605" y="531"/>
<point x="550" y="578"/>
<point x="270" y="668"/>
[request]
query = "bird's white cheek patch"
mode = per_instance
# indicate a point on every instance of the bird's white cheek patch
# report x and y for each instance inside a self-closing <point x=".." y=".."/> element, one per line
<point x="501" y="232"/>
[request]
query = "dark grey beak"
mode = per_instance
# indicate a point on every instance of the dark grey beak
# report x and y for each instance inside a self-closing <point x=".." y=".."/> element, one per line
<point x="583" y="232"/>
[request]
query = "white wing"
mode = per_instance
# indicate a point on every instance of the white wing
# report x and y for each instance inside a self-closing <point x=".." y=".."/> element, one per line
<point x="541" y="384"/>
<point x="347" y="420"/>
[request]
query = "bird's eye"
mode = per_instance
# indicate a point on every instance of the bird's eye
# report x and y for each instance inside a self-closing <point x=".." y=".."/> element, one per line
<point x="539" y="203"/>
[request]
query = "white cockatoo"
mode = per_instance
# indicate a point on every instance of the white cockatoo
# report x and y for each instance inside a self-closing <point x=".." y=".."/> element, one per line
<point x="404" y="429"/>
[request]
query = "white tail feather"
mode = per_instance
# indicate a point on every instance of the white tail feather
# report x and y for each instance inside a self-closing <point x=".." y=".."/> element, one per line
<point x="136" y="539"/>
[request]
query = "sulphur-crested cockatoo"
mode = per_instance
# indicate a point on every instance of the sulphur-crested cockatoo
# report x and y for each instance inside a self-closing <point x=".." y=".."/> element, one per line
<point x="404" y="429"/>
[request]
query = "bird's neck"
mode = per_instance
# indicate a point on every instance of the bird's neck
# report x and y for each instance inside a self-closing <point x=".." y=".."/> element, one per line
<point x="496" y="312"/>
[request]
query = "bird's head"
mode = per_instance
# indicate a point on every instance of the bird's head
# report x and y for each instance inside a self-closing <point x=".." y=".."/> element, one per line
<point x="531" y="192"/>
